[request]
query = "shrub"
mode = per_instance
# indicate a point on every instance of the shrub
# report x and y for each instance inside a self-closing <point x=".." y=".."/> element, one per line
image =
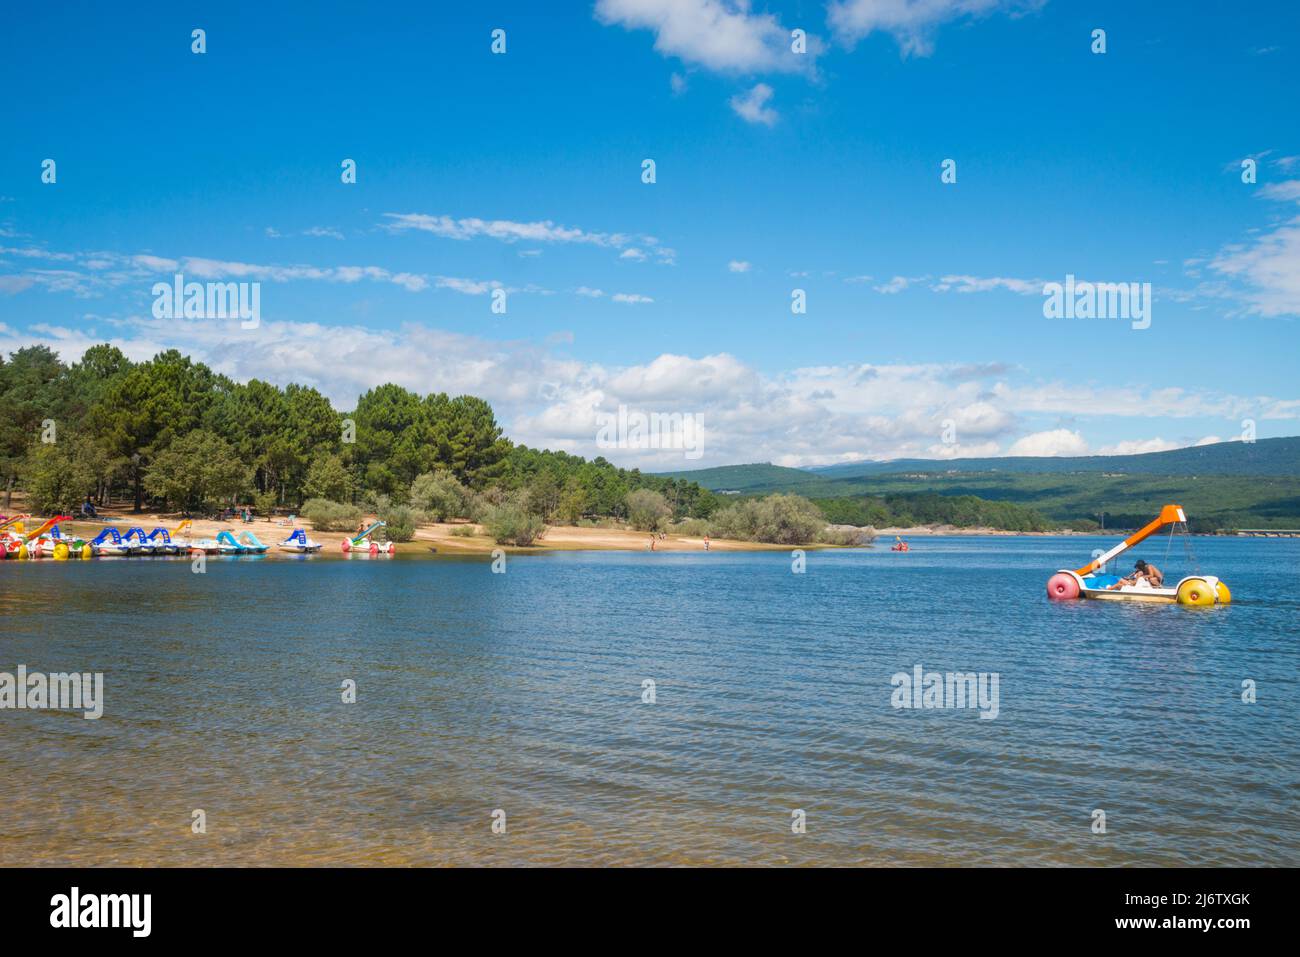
<point x="512" y="524"/>
<point x="440" y="496"/>
<point x="465" y="531"/>
<point x="779" y="519"/>
<point x="846" y="535"/>
<point x="327" y="516"/>
<point x="400" y="523"/>
<point x="646" y="509"/>
<point x="694" y="527"/>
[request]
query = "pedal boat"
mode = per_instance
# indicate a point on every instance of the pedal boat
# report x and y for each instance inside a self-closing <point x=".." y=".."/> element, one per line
<point x="1091" y="581"/>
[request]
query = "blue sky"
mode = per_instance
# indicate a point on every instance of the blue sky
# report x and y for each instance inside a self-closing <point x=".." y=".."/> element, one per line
<point x="774" y="171"/>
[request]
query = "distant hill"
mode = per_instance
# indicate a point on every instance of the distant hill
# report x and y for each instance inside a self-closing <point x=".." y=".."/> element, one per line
<point x="1264" y="457"/>
<point x="1228" y="484"/>
<point x="760" y="477"/>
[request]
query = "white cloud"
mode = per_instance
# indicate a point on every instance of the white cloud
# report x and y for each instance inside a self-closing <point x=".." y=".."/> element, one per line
<point x="910" y="22"/>
<point x="1052" y="442"/>
<point x="633" y="254"/>
<point x="720" y="35"/>
<point x="589" y="292"/>
<point x="505" y="230"/>
<point x="752" y="106"/>
<point x="678" y="84"/>
<point x="965" y="284"/>
<point x="1138" y="447"/>
<point x="630" y="297"/>
<point x="894" y="286"/>
<point x="197" y="267"/>
<point x="801" y="416"/>
<point x="155" y="263"/>
<point x="1286" y="191"/>
<point x="1267" y="266"/>
<point x="327" y="232"/>
<point x="738" y="265"/>
<point x="470" y="287"/>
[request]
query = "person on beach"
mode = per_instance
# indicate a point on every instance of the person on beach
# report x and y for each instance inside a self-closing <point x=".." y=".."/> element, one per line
<point x="706" y="543"/>
<point x="88" y="509"/>
<point x="652" y="543"/>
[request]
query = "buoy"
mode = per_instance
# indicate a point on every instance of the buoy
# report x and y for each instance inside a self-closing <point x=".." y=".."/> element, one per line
<point x="1224" y="596"/>
<point x="60" y="552"/>
<point x="1062" y="587"/>
<point x="1195" y="592"/>
<point x="87" y="551"/>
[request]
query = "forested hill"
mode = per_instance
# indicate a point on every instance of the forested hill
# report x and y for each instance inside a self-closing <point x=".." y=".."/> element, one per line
<point x="1224" y="485"/>
<point x="1262" y="457"/>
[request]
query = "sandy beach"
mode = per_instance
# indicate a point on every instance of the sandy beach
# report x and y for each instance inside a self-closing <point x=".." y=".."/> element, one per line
<point x="438" y="536"/>
<point x="441" y="536"/>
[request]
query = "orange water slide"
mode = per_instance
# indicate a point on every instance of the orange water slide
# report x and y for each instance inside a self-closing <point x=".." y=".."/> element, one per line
<point x="1169" y="515"/>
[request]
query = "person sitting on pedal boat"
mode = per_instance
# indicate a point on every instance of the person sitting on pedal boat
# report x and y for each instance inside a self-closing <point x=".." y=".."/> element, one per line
<point x="1142" y="572"/>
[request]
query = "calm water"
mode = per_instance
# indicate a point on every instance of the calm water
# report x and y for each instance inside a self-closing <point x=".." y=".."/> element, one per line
<point x="522" y="691"/>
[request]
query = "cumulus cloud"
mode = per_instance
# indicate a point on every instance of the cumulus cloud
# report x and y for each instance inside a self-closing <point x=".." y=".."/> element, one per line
<point x="911" y="22"/>
<point x="1051" y="442"/>
<point x="738" y="265"/>
<point x="752" y="106"/>
<point x="809" y="415"/>
<point x="724" y="36"/>
<point x="1138" y="446"/>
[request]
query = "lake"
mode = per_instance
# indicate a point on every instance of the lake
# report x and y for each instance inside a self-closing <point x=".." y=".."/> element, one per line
<point x="523" y="692"/>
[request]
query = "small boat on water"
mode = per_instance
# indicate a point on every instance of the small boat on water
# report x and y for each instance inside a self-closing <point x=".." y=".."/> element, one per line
<point x="300" y="543"/>
<point x="1093" y="581"/>
<point x="364" y="543"/>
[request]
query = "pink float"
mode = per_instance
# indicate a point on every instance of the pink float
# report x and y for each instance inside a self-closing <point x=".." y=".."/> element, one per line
<point x="1062" y="587"/>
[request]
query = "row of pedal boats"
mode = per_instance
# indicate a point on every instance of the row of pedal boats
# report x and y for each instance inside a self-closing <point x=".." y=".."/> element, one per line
<point x="52" y="542"/>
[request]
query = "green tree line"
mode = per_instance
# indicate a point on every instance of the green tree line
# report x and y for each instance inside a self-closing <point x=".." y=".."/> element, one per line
<point x="172" y="432"/>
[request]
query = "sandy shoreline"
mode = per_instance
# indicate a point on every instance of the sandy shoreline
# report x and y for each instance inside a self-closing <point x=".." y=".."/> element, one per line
<point x="439" y="537"/>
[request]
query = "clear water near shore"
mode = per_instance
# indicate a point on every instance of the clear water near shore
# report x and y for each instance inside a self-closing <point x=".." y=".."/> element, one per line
<point x="522" y="691"/>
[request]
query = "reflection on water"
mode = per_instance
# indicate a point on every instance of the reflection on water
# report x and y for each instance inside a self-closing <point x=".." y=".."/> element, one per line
<point x="522" y="691"/>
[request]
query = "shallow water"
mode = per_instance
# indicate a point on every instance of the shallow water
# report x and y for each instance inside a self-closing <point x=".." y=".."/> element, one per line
<point x="522" y="692"/>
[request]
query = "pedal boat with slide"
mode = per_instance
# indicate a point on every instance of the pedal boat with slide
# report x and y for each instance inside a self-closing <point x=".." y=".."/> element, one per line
<point x="1092" y="580"/>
